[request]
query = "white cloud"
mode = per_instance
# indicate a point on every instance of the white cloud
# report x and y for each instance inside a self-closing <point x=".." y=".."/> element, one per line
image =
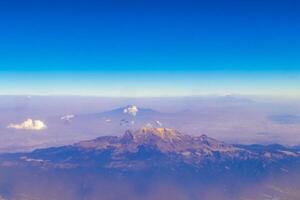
<point x="29" y="124"/>
<point x="67" y="117"/>
<point x="131" y="110"/>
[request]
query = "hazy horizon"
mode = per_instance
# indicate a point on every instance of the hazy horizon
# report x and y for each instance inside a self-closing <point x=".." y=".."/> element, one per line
<point x="230" y="118"/>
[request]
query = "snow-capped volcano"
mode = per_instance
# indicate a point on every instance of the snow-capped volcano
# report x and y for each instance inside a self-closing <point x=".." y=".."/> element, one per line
<point x="130" y="116"/>
<point x="131" y="110"/>
<point x="164" y="140"/>
<point x="161" y="153"/>
<point x="150" y="147"/>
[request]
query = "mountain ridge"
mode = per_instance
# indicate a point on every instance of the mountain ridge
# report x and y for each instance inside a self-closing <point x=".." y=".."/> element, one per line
<point x="150" y="148"/>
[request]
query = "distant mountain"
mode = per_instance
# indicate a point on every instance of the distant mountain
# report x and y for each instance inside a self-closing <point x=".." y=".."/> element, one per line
<point x="131" y="116"/>
<point x="129" y="110"/>
<point x="154" y="149"/>
<point x="285" y="119"/>
<point x="231" y="99"/>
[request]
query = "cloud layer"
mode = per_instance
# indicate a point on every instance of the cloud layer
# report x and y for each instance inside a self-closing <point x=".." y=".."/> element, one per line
<point x="29" y="124"/>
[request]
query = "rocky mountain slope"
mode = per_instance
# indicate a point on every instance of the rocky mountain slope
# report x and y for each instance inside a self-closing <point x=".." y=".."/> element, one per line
<point x="161" y="149"/>
<point x="155" y="164"/>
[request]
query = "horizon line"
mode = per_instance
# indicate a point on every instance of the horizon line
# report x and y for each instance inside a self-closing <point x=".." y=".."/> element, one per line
<point x="154" y="96"/>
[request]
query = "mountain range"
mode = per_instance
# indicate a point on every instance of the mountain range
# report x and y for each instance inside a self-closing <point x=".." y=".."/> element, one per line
<point x="152" y="163"/>
<point x="151" y="148"/>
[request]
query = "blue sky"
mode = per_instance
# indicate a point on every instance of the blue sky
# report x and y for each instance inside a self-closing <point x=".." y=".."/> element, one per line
<point x="150" y="48"/>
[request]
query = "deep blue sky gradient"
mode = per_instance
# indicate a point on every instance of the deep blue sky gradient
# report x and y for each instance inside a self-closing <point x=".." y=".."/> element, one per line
<point x="149" y="48"/>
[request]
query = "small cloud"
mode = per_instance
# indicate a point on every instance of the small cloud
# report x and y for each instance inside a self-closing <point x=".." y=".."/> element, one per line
<point x="131" y="110"/>
<point x="29" y="124"/>
<point x="67" y="118"/>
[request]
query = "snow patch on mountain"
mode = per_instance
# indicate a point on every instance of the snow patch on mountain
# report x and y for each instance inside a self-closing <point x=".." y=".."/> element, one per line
<point x="131" y="110"/>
